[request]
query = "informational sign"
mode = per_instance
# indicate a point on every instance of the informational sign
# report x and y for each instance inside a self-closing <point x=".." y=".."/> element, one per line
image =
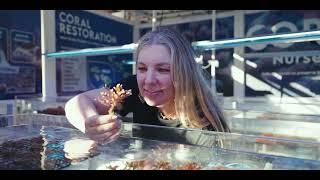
<point x="22" y="47"/>
<point x="279" y="69"/>
<point x="79" y="30"/>
<point x="73" y="69"/>
<point x="20" y="57"/>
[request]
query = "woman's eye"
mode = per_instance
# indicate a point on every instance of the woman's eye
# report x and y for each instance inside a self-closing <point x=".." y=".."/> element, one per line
<point x="164" y="70"/>
<point x="142" y="68"/>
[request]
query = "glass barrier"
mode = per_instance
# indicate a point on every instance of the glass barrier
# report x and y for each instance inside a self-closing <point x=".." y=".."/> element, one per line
<point x="56" y="145"/>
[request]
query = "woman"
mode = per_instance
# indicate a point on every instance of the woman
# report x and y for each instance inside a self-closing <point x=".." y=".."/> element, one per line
<point x="169" y="90"/>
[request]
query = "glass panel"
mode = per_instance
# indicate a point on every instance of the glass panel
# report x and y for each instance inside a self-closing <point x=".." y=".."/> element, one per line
<point x="56" y="145"/>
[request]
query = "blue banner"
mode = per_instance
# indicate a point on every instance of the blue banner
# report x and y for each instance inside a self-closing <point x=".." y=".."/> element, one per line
<point x="290" y="69"/>
<point x="279" y="22"/>
<point x="81" y="29"/>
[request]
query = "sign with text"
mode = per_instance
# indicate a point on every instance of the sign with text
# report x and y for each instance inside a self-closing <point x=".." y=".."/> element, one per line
<point x="79" y="30"/>
<point x="73" y="69"/>
<point x="282" y="68"/>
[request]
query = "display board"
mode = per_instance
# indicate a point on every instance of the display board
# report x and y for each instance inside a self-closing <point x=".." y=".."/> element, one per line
<point x="282" y="69"/>
<point x="80" y="30"/>
<point x="20" y="61"/>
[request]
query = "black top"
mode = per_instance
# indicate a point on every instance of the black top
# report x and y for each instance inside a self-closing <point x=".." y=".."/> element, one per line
<point x="145" y="114"/>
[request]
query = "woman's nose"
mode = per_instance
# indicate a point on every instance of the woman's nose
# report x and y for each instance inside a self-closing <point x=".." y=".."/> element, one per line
<point x="150" y="77"/>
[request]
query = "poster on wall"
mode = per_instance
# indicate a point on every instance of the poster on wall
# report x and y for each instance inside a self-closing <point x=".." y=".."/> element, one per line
<point x="111" y="69"/>
<point x="22" y="82"/>
<point x="21" y="47"/>
<point x="20" y="54"/>
<point x="79" y="30"/>
<point x="282" y="69"/>
<point x="100" y="73"/>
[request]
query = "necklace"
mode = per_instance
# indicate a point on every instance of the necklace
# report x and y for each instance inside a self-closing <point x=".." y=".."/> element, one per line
<point x="165" y="117"/>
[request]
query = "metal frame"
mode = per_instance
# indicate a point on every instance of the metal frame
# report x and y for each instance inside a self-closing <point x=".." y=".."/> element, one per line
<point x="200" y="45"/>
<point x="48" y="44"/>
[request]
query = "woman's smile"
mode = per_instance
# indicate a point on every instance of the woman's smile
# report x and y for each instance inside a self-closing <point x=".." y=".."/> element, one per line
<point x="152" y="93"/>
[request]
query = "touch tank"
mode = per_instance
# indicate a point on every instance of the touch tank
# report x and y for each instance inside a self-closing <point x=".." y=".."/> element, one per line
<point x="37" y="141"/>
<point x="276" y="105"/>
<point x="290" y="126"/>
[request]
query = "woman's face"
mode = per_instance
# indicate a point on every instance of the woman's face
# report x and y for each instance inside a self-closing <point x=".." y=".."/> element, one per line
<point x="153" y="75"/>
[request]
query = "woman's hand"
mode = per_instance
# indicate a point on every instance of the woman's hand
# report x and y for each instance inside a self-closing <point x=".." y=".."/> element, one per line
<point x="103" y="128"/>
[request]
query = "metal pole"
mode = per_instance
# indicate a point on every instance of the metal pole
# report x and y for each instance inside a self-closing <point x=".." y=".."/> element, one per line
<point x="213" y="60"/>
<point x="239" y="83"/>
<point x="48" y="44"/>
<point x="154" y="19"/>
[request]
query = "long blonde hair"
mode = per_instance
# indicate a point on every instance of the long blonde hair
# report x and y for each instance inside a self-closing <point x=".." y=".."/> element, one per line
<point x="193" y="95"/>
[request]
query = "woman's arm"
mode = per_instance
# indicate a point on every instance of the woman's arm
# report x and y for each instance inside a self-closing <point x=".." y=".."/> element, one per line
<point x="83" y="106"/>
<point x="88" y="112"/>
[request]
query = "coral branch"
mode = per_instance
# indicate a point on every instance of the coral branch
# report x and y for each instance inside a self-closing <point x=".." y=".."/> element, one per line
<point x="114" y="97"/>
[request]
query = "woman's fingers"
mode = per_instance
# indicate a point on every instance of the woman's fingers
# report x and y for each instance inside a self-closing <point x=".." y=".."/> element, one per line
<point x="106" y="136"/>
<point x="100" y="119"/>
<point x="100" y="129"/>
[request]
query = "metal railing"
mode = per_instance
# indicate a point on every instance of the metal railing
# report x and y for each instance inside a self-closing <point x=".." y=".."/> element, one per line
<point x="200" y="45"/>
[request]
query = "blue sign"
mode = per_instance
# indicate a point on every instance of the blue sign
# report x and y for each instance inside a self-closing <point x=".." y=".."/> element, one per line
<point x="287" y="68"/>
<point x="81" y="29"/>
<point x="279" y="22"/>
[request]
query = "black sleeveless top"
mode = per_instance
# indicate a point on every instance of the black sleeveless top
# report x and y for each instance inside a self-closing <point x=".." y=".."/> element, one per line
<point x="145" y="114"/>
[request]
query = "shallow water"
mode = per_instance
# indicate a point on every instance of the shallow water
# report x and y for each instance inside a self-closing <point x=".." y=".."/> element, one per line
<point x="44" y="147"/>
